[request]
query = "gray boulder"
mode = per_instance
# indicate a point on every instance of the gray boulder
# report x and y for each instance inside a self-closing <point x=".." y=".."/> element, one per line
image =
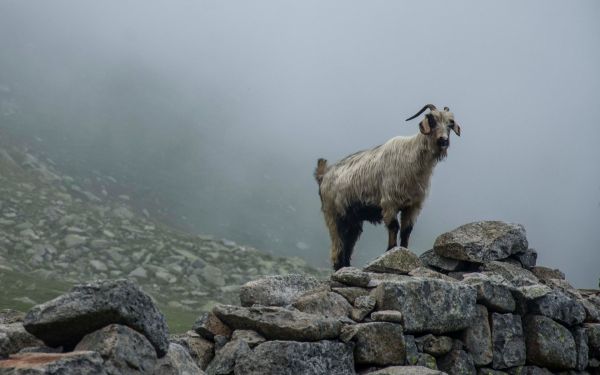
<point x="545" y="273"/>
<point x="412" y="352"/>
<point x="279" y="290"/>
<point x="496" y="297"/>
<point x="581" y="344"/>
<point x="431" y="259"/>
<point x="8" y="316"/>
<point x="177" y="361"/>
<point x="406" y="370"/>
<point x="528" y="258"/>
<point x="89" y="307"/>
<point x="513" y="275"/>
<point x="252" y="338"/>
<point x="482" y="241"/>
<point x="362" y="307"/>
<point x="428" y="305"/>
<point x="558" y="306"/>
<point x="351" y="276"/>
<point x="124" y="350"/>
<point x="392" y="316"/>
<point x="13" y="338"/>
<point x="507" y="340"/>
<point x="73" y="363"/>
<point x="351" y="293"/>
<point x="292" y="358"/>
<point x="435" y="345"/>
<point x="277" y="323"/>
<point x="226" y="357"/>
<point x="208" y="326"/>
<point x="478" y="338"/>
<point x="397" y="260"/>
<point x="201" y="350"/>
<point x="457" y="362"/>
<point x="327" y="304"/>
<point x="379" y="343"/>
<point x="593" y="334"/>
<point x="549" y="344"/>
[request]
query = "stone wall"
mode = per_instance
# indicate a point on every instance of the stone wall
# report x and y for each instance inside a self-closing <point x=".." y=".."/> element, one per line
<point x="474" y="304"/>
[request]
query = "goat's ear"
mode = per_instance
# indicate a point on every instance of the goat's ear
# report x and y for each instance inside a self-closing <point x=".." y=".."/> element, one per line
<point x="456" y="129"/>
<point x="424" y="126"/>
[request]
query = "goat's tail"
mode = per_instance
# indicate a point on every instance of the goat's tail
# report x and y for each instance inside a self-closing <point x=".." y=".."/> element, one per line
<point x="320" y="170"/>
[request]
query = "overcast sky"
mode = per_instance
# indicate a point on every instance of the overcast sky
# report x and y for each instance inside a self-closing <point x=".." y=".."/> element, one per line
<point x="287" y="82"/>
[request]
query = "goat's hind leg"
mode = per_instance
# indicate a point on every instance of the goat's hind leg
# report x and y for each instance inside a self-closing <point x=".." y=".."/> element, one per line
<point x="407" y="220"/>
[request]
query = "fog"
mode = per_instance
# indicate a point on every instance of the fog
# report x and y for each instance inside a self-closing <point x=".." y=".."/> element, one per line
<point x="219" y="110"/>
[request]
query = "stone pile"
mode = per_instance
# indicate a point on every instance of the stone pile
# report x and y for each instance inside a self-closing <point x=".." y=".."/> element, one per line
<point x="476" y="303"/>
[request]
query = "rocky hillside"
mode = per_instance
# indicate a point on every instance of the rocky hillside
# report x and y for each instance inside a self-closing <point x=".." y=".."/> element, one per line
<point x="476" y="304"/>
<point x="57" y="230"/>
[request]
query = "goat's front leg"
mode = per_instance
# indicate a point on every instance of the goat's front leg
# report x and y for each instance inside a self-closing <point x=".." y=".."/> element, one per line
<point x="407" y="220"/>
<point x="391" y="222"/>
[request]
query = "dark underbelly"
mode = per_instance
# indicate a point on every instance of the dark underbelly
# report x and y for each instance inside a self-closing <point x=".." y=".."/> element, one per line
<point x="360" y="211"/>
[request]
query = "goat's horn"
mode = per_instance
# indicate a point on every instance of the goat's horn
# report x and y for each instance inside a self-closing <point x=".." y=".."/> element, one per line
<point x="431" y="107"/>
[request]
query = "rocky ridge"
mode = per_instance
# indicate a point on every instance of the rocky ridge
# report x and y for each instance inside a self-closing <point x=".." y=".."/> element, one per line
<point x="57" y="230"/>
<point x="476" y="304"/>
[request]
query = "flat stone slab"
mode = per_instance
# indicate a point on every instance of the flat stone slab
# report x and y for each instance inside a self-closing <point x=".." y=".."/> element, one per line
<point x="73" y="363"/>
<point x="482" y="241"/>
<point x="397" y="260"/>
<point x="277" y="290"/>
<point x="428" y="305"/>
<point x="277" y="323"/>
<point x="293" y="358"/>
<point x="64" y="320"/>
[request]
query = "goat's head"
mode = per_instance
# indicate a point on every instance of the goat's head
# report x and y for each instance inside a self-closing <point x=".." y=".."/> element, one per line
<point x="436" y="126"/>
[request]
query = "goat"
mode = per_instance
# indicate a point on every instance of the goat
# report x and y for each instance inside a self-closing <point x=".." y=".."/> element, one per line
<point x="377" y="184"/>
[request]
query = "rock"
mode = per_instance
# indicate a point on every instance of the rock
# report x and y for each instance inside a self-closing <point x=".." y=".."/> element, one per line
<point x="327" y="304"/>
<point x="412" y="352"/>
<point x="392" y="316"/>
<point x="74" y="240"/>
<point x="98" y="265"/>
<point x="73" y="363"/>
<point x="292" y="358"/>
<point x="177" y="361"/>
<point x="489" y="371"/>
<point x="8" y="316"/>
<point x="201" y="350"/>
<point x="549" y="344"/>
<point x="252" y="338"/>
<point x="527" y="259"/>
<point x="139" y="272"/>
<point x="351" y="276"/>
<point x="581" y="345"/>
<point x="529" y="370"/>
<point x="278" y="290"/>
<point x="64" y="320"/>
<point x="124" y="350"/>
<point x="406" y="370"/>
<point x="514" y="275"/>
<point x="545" y="273"/>
<point x="362" y="307"/>
<point x="351" y="293"/>
<point x="457" y="362"/>
<point x="428" y="305"/>
<point x="478" y="338"/>
<point x="226" y="357"/>
<point x="434" y="345"/>
<point x="372" y="344"/>
<point x="277" y="323"/>
<point x="494" y="296"/>
<point x="427" y="360"/>
<point x="431" y="259"/>
<point x="507" y="340"/>
<point x="208" y="325"/>
<point x="593" y="334"/>
<point x="428" y="272"/>
<point x="482" y="241"/>
<point x="397" y="260"/>
<point x="558" y="306"/>
<point x="212" y="275"/>
<point x="13" y="338"/>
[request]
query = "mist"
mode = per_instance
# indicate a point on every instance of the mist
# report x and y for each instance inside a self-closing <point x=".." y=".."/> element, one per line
<point x="219" y="110"/>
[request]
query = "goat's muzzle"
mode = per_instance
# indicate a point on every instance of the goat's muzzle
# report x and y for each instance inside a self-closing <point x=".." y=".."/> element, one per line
<point x="443" y="142"/>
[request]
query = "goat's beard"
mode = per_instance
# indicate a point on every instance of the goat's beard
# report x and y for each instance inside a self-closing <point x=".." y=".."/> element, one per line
<point x="441" y="154"/>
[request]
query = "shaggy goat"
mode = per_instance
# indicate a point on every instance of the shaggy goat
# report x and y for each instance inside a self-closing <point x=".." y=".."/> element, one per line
<point x="377" y="184"/>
